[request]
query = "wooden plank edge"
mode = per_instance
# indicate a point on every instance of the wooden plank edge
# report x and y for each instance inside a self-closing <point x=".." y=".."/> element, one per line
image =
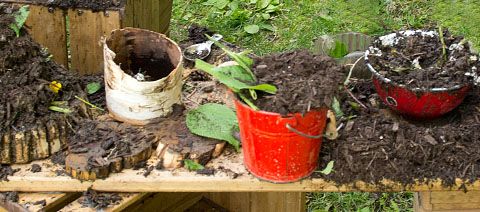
<point x="138" y="183"/>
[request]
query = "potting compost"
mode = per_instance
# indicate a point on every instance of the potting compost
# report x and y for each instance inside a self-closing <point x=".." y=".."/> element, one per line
<point x="416" y="59"/>
<point x="304" y="81"/>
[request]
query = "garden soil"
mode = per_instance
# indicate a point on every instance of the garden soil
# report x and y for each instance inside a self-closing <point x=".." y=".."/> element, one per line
<point x="397" y="61"/>
<point x="304" y="81"/>
<point x="378" y="144"/>
<point x="25" y="76"/>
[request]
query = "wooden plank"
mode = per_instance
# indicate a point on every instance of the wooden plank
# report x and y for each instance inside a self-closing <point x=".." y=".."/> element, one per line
<point x="233" y="201"/>
<point x="53" y="200"/>
<point x="168" y="202"/>
<point x="455" y="197"/>
<point x="86" y="31"/>
<point x="153" y="15"/>
<point x="277" y="201"/>
<point x="456" y="207"/>
<point x="181" y="180"/>
<point x="49" y="30"/>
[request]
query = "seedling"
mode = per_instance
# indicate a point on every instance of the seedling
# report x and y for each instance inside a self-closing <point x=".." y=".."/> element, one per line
<point x="239" y="77"/>
<point x="93" y="87"/>
<point x="20" y="18"/>
<point x="192" y="165"/>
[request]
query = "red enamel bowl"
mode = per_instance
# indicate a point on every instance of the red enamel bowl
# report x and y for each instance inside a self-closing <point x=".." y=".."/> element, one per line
<point x="417" y="103"/>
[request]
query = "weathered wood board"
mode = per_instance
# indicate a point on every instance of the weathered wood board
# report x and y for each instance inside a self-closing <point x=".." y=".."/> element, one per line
<point x="48" y="27"/>
<point x="38" y="143"/>
<point x="231" y="178"/>
<point x="447" y="201"/>
<point x="86" y="31"/>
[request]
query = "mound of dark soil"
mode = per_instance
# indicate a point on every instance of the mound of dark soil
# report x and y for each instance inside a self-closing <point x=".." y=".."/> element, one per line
<point x="304" y="81"/>
<point x="94" y="5"/>
<point x="378" y="144"/>
<point x="25" y="74"/>
<point x="417" y="61"/>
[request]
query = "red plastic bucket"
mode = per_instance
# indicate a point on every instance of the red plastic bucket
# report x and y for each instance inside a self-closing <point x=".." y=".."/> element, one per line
<point x="280" y="149"/>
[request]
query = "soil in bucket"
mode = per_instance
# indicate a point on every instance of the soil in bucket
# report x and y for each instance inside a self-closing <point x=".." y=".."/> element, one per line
<point x="304" y="81"/>
<point x="281" y="143"/>
<point x="138" y="57"/>
<point x="416" y="59"/>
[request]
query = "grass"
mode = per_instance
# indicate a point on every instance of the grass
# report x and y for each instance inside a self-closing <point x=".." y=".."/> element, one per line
<point x="299" y="22"/>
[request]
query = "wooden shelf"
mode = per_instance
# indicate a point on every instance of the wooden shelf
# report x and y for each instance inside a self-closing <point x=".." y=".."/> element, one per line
<point x="181" y="180"/>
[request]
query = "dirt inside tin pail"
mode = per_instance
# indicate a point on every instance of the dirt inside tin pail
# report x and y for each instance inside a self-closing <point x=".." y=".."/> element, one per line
<point x="143" y="71"/>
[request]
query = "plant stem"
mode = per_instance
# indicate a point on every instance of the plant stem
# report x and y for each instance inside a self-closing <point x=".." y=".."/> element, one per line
<point x="88" y="103"/>
<point x="249" y="103"/>
<point x="347" y="81"/>
<point x="444" y="46"/>
<point x="355" y="98"/>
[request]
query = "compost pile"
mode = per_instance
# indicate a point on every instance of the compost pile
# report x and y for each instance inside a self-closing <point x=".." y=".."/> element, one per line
<point x="94" y="5"/>
<point x="417" y="61"/>
<point x="304" y="81"/>
<point x="26" y="76"/>
<point x="379" y="144"/>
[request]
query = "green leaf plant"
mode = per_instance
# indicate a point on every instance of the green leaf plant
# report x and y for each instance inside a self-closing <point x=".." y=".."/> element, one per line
<point x="20" y="18"/>
<point x="238" y="77"/>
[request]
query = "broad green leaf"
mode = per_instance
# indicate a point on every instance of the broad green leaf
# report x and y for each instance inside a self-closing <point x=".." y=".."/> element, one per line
<point x="271" y="9"/>
<point x="252" y="29"/>
<point x="241" y="58"/>
<point x="192" y="165"/>
<point x="214" y="121"/>
<point x="339" y="50"/>
<point x="329" y="168"/>
<point x="266" y="16"/>
<point x="267" y="27"/>
<point x="365" y="209"/>
<point x="262" y="4"/>
<point x="20" y="18"/>
<point x="234" y="77"/>
<point x="394" y="206"/>
<point x="337" y="108"/>
<point x="221" y="4"/>
<point x="265" y="88"/>
<point x="93" y="87"/>
<point x="354" y="105"/>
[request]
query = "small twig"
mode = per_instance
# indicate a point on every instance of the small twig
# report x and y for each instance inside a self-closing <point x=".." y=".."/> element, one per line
<point x="347" y="81"/>
<point x="355" y="98"/>
<point x="444" y="46"/>
<point x="88" y="103"/>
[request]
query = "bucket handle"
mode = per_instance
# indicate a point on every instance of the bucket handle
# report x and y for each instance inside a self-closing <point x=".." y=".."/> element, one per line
<point x="301" y="133"/>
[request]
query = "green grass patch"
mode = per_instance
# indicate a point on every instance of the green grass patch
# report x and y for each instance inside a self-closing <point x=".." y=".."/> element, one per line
<point x="358" y="201"/>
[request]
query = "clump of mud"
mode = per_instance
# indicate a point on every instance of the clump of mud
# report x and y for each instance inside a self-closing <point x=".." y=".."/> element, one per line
<point x="304" y="81"/>
<point x="99" y="200"/>
<point x="5" y="171"/>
